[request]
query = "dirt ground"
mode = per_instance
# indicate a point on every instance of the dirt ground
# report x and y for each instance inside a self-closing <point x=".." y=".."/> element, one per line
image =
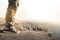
<point x="28" y="31"/>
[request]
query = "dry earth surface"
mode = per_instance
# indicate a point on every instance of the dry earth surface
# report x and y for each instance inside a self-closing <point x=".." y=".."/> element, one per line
<point x="28" y="31"/>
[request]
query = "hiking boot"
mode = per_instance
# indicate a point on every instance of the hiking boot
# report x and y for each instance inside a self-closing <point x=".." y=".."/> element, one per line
<point x="12" y="29"/>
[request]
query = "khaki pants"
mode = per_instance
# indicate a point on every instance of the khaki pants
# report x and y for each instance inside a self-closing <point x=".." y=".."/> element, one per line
<point x="11" y="11"/>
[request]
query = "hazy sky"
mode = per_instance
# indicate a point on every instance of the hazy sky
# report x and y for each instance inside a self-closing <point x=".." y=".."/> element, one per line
<point x="35" y="10"/>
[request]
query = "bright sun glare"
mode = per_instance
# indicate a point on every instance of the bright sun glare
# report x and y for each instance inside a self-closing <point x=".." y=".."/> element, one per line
<point x="35" y="10"/>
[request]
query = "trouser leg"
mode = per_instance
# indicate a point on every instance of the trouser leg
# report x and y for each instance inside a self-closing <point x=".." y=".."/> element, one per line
<point x="10" y="17"/>
<point x="10" y="20"/>
<point x="11" y="11"/>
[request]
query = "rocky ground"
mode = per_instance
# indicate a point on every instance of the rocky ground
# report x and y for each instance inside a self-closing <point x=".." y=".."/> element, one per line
<point x="28" y="31"/>
<point x="25" y="35"/>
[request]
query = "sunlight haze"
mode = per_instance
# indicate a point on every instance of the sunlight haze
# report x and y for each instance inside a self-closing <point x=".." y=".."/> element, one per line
<point x="35" y="10"/>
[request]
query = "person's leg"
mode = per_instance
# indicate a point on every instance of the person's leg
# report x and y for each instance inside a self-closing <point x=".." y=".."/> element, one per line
<point x="11" y="11"/>
<point x="10" y="17"/>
